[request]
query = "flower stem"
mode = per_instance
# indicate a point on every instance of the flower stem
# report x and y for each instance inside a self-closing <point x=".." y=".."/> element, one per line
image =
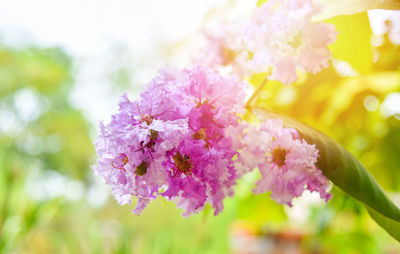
<point x="255" y="93"/>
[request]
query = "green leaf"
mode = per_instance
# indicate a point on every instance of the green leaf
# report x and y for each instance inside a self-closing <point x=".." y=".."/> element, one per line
<point x="346" y="172"/>
<point x="334" y="8"/>
<point x="391" y="226"/>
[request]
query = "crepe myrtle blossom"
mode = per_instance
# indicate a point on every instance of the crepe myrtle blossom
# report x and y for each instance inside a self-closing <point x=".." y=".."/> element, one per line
<point x="199" y="174"/>
<point x="178" y="141"/>
<point x="131" y="149"/>
<point x="201" y="166"/>
<point x="278" y="39"/>
<point x="282" y="36"/>
<point x="285" y="160"/>
<point x="216" y="102"/>
<point x="172" y="141"/>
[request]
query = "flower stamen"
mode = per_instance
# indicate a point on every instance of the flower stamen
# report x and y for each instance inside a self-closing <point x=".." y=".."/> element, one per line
<point x="183" y="165"/>
<point x="279" y="156"/>
<point x="146" y="117"/>
<point x="125" y="161"/>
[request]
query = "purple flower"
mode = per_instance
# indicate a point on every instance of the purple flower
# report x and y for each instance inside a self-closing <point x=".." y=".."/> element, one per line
<point x="172" y="141"/>
<point x="203" y="161"/>
<point x="217" y="101"/>
<point x="198" y="174"/>
<point x="179" y="139"/>
<point x="131" y="149"/>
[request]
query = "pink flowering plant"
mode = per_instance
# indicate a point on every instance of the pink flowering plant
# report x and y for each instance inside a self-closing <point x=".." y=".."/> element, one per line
<point x="186" y="138"/>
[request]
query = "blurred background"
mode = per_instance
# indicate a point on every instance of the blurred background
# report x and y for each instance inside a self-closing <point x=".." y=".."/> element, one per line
<point x="63" y="66"/>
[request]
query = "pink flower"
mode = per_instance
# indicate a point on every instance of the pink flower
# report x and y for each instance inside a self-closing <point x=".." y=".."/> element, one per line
<point x="286" y="162"/>
<point x="223" y="97"/>
<point x="197" y="175"/>
<point x="131" y="149"/>
<point x="279" y="39"/>
<point x="201" y="168"/>
<point x="179" y="140"/>
<point x="252" y="144"/>
<point x="172" y="141"/>
<point x="282" y="36"/>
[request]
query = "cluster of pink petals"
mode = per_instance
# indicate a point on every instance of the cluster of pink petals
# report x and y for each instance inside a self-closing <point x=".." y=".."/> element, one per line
<point x="171" y="141"/>
<point x="285" y="160"/>
<point x="282" y="35"/>
<point x="279" y="39"/>
<point x="182" y="139"/>
<point x="178" y="140"/>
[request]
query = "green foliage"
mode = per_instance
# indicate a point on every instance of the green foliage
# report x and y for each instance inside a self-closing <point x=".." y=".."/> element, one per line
<point x="46" y="70"/>
<point x="54" y="136"/>
<point x="258" y="210"/>
<point x="71" y="129"/>
<point x="390" y="225"/>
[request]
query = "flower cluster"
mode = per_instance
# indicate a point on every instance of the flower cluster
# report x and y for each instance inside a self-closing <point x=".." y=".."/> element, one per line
<point x="183" y="139"/>
<point x="279" y="39"/>
<point x="172" y="142"/>
<point x="179" y="140"/>
<point x="285" y="160"/>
